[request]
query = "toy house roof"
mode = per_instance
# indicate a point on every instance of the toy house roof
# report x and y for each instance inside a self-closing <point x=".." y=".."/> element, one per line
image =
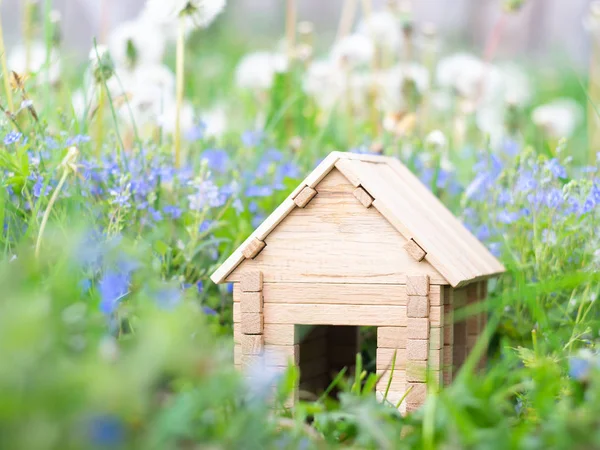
<point x="410" y="207"/>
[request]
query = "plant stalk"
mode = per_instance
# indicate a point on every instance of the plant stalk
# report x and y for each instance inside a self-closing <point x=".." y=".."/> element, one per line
<point x="28" y="32"/>
<point x="62" y="181"/>
<point x="346" y="19"/>
<point x="5" y="74"/>
<point x="593" y="101"/>
<point x="290" y="27"/>
<point x="179" y="89"/>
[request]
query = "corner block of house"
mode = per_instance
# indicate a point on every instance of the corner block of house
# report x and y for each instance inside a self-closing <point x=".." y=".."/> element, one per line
<point x="304" y="196"/>
<point x="415" y="250"/>
<point x="251" y="302"/>
<point x="417" y="349"/>
<point x="251" y="281"/>
<point x="417" y="284"/>
<point x="363" y="196"/>
<point x="253" y="248"/>
<point x="252" y="323"/>
<point x="252" y="344"/>
<point x="418" y="328"/>
<point x="418" y="306"/>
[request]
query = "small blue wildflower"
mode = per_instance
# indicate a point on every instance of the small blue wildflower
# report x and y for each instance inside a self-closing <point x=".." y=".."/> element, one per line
<point x="156" y="215"/>
<point x="259" y="191"/>
<point x="168" y="297"/>
<point x="579" y="368"/>
<point x="106" y="430"/>
<point x="196" y="133"/>
<point x="230" y="288"/>
<point x="200" y="286"/>
<point x="77" y="140"/>
<point x="113" y="286"/>
<point x="209" y="311"/>
<point x="257" y="220"/>
<point x="554" y="198"/>
<point x="483" y="233"/>
<point x="50" y="143"/>
<point x="510" y="147"/>
<point x="507" y="217"/>
<point x="289" y="170"/>
<point x="238" y="205"/>
<point x="253" y="207"/>
<point x="206" y="226"/>
<point x="217" y="160"/>
<point x="556" y="168"/>
<point x="495" y="248"/>
<point x="252" y="138"/>
<point x="526" y="182"/>
<point x="588" y="205"/>
<point x="595" y="193"/>
<point x="174" y="212"/>
<point x="12" y="137"/>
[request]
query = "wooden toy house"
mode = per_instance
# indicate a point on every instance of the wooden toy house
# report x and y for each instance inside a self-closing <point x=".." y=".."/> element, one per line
<point x="361" y="242"/>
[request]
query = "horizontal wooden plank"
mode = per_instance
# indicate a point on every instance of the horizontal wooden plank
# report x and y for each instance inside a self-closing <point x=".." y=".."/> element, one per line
<point x="398" y="383"/>
<point x="321" y="314"/>
<point x="392" y="337"/>
<point x="385" y="356"/>
<point x="282" y="355"/>
<point x="335" y="293"/>
<point x="280" y="334"/>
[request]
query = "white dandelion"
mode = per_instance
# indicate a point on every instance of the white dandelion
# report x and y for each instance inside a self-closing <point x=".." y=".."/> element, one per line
<point x="215" y="121"/>
<point x="18" y="61"/>
<point x="325" y="82"/>
<point x="384" y="29"/>
<point x="591" y="22"/>
<point x="353" y="51"/>
<point x="256" y="71"/>
<point x="136" y="43"/>
<point x="200" y="13"/>
<point x="558" y="118"/>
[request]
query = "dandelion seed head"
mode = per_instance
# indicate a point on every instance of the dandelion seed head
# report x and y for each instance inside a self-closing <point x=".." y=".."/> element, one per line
<point x="256" y="71"/>
<point x="353" y="51"/>
<point x="384" y="29"/>
<point x="136" y="43"/>
<point x="558" y="118"/>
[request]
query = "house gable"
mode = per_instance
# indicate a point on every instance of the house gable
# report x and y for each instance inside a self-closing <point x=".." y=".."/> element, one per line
<point x="335" y="239"/>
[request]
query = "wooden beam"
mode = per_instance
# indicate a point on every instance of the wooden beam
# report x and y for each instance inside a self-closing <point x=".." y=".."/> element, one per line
<point x="252" y="323"/>
<point x="251" y="302"/>
<point x="251" y="281"/>
<point x="320" y="314"/>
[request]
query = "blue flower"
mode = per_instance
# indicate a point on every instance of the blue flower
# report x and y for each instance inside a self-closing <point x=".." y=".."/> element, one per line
<point x="238" y="205"/>
<point x="77" y="140"/>
<point x="252" y="138"/>
<point x="168" y="297"/>
<point x="106" y="430"/>
<point x="174" y="212"/>
<point x="209" y="311"/>
<point x="554" y="198"/>
<point x="12" y="138"/>
<point x="217" y="160"/>
<point x="579" y="368"/>
<point x="113" y="286"/>
<point x="200" y="286"/>
<point x="259" y="191"/>
<point x="556" y="168"/>
<point x="588" y="205"/>
<point x="196" y="133"/>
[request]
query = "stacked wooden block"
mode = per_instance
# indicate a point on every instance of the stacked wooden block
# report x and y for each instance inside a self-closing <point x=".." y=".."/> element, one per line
<point x="448" y="334"/>
<point x="252" y="318"/>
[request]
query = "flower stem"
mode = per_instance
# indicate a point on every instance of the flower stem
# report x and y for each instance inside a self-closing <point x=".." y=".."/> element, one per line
<point x="5" y="74"/>
<point x="28" y="32"/>
<point x="594" y="99"/>
<point x="100" y="121"/>
<point x="179" y="93"/>
<point x="49" y="209"/>
<point x="346" y="19"/>
<point x="290" y="27"/>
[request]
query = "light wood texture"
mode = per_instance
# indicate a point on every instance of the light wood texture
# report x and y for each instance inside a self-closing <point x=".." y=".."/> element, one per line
<point x="418" y="328"/>
<point x="417" y="349"/>
<point x="253" y="248"/>
<point x="252" y="344"/>
<point x="335" y="240"/>
<point x="418" y="306"/>
<point x="416" y="371"/>
<point x="414" y="250"/>
<point x="280" y="334"/>
<point x="335" y="293"/>
<point x="237" y="312"/>
<point x="282" y="355"/>
<point x="251" y="302"/>
<point x="251" y="281"/>
<point x="416" y="394"/>
<point x="305" y="196"/>
<point x="398" y="383"/>
<point x="237" y="333"/>
<point x="363" y="197"/>
<point x="436" y="340"/>
<point x="385" y="356"/>
<point x="436" y="316"/>
<point x="435" y="359"/>
<point x="252" y="362"/>
<point x="417" y="285"/>
<point x="436" y="294"/>
<point x="252" y="323"/>
<point x="392" y="337"/>
<point x="321" y="314"/>
<point x="237" y="354"/>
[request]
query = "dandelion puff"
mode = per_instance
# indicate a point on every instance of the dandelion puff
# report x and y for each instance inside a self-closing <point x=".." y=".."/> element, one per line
<point x="215" y="121"/>
<point x="558" y="118"/>
<point x="167" y="119"/>
<point x="200" y="13"/>
<point x="136" y="43"/>
<point x="353" y="51"/>
<point x="256" y="71"/>
<point x="591" y="22"/>
<point x="17" y="61"/>
<point x="384" y="29"/>
<point x="325" y="82"/>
